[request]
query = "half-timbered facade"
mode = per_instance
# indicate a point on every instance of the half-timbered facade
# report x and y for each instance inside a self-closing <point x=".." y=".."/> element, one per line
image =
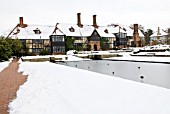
<point x="36" y="38"/>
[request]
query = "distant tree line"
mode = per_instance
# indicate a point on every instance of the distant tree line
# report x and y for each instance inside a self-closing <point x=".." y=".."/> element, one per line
<point x="9" y="47"/>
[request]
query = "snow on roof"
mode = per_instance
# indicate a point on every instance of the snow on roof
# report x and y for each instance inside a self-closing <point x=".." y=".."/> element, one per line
<point x="130" y="31"/>
<point x="29" y="32"/>
<point x="69" y="29"/>
<point x="57" y="32"/>
<point x="76" y="91"/>
<point x="86" y="30"/>
<point x="117" y="29"/>
<point x="105" y="31"/>
<point x="74" y="29"/>
<point x="162" y="33"/>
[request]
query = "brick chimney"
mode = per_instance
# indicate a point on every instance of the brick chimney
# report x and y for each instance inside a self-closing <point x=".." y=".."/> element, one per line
<point x="94" y="21"/>
<point x="135" y="28"/>
<point x="79" y="20"/>
<point x="21" y="23"/>
<point x="158" y="33"/>
<point x="136" y="35"/>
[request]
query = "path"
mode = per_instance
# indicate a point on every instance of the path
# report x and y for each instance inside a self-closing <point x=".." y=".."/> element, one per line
<point x="10" y="80"/>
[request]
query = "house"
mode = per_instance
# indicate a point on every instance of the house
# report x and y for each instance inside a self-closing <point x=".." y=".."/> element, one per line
<point x="159" y="37"/>
<point x="34" y="38"/>
<point x="134" y="35"/>
<point x="86" y="36"/>
<point x="107" y="37"/>
<point x="121" y="35"/>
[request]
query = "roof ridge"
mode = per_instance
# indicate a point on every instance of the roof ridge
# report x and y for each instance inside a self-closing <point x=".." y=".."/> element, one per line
<point x="40" y="25"/>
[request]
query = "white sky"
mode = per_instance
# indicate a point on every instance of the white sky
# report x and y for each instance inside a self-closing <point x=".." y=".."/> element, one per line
<point x="149" y="13"/>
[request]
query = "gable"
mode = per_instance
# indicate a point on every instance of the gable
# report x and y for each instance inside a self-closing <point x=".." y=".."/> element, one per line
<point x="95" y="34"/>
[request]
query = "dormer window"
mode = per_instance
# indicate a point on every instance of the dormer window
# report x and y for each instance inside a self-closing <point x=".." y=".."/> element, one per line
<point x="17" y="31"/>
<point x="106" y="31"/>
<point x="71" y="29"/>
<point x="37" y="31"/>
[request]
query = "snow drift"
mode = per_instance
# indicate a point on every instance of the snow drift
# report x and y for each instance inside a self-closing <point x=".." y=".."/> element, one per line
<point x="57" y="89"/>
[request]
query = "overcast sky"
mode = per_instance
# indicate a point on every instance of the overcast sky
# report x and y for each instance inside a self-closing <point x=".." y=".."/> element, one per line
<point x="149" y="13"/>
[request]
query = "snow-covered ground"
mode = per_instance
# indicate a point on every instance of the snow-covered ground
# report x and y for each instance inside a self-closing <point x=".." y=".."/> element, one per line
<point x="4" y="64"/>
<point x="62" y="57"/>
<point x="58" y="89"/>
<point x="125" y="56"/>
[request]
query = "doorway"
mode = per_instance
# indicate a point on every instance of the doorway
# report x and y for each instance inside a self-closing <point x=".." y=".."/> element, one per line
<point x="95" y="47"/>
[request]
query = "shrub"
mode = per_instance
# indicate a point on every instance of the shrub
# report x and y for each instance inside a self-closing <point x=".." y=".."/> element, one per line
<point x="43" y="52"/>
<point x="5" y="49"/>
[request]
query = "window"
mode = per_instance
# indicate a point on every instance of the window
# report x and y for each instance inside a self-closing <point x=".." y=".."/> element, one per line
<point x="95" y="38"/>
<point x="29" y="41"/>
<point x="37" y="31"/>
<point x="120" y="35"/>
<point x="58" y="49"/>
<point x="78" y="38"/>
<point x="37" y="41"/>
<point x="106" y="31"/>
<point x="71" y="29"/>
<point x="78" y="44"/>
<point x="36" y="50"/>
<point x="23" y="42"/>
<point x="57" y="38"/>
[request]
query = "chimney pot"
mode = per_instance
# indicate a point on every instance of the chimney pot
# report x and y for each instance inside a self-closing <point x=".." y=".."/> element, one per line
<point x="135" y="28"/>
<point x="79" y="20"/>
<point x="94" y="21"/>
<point x="21" y="23"/>
<point x="158" y="33"/>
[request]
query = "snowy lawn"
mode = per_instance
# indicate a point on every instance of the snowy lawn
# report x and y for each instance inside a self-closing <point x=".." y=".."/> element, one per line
<point x="4" y="64"/>
<point x="62" y="57"/>
<point x="57" y="89"/>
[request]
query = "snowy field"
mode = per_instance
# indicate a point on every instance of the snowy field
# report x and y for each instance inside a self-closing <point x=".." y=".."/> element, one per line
<point x="58" y="89"/>
<point x="4" y="64"/>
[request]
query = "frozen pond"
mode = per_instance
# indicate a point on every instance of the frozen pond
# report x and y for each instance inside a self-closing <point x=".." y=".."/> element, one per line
<point x="151" y="73"/>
